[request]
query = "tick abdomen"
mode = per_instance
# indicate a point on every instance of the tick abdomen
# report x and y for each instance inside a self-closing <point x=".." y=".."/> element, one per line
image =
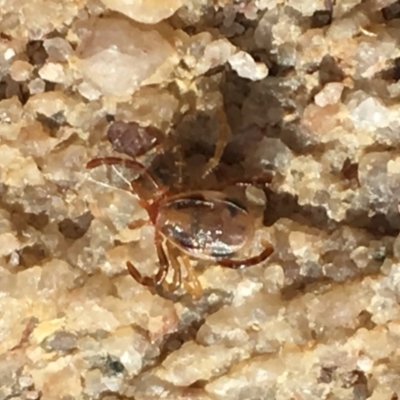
<point x="205" y="224"/>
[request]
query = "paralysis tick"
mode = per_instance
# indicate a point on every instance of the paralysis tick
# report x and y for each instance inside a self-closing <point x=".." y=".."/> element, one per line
<point x="197" y="224"/>
<point x="204" y="225"/>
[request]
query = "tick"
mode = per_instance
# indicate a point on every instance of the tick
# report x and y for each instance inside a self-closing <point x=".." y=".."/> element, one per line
<point x="196" y="224"/>
<point x="204" y="225"/>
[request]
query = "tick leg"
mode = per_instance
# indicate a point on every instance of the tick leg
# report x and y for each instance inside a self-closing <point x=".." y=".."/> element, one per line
<point x="265" y="179"/>
<point x="96" y="162"/>
<point x="138" y="223"/>
<point x="177" y="278"/>
<point x="239" y="264"/>
<point x="161" y="273"/>
<point x="223" y="129"/>
<point x="192" y="285"/>
<point x="138" y="277"/>
<point x="180" y="164"/>
<point x="258" y="180"/>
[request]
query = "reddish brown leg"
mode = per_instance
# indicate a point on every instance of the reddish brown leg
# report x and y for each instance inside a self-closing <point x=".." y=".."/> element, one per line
<point x="181" y="164"/>
<point x="239" y="264"/>
<point x="137" y="223"/>
<point x="223" y="129"/>
<point x="161" y="273"/>
<point x="192" y="285"/>
<point x="96" y="162"/>
<point x="258" y="180"/>
<point x="177" y="278"/>
<point x="265" y="179"/>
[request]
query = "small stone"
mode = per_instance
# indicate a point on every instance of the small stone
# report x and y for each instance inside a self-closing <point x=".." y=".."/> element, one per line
<point x="9" y="54"/>
<point x="16" y="170"/>
<point x="75" y="228"/>
<point x="52" y="72"/>
<point x="274" y="278"/>
<point x="393" y="166"/>
<point x="10" y="113"/>
<point x="58" y="49"/>
<point x="302" y="243"/>
<point x="91" y="317"/>
<point x="368" y="112"/>
<point x="94" y="384"/>
<point x="50" y="104"/>
<point x="145" y="11"/>
<point x="60" y="341"/>
<point x="215" y="53"/>
<point x="14" y="259"/>
<point x="245" y="66"/>
<point x="40" y="17"/>
<point x="321" y="120"/>
<point x="254" y="378"/>
<point x="307" y="8"/>
<point x="36" y="86"/>
<point x="125" y="345"/>
<point x="133" y="139"/>
<point x="32" y="395"/>
<point x="8" y="243"/>
<point x="112" y="383"/>
<point x="270" y="4"/>
<point x="25" y="381"/>
<point x="330" y="94"/>
<point x="116" y="56"/>
<point x="20" y="70"/>
<point x="89" y="91"/>
<point x="141" y="110"/>
<point x="59" y="378"/>
<point x="186" y="359"/>
<point x="365" y="364"/>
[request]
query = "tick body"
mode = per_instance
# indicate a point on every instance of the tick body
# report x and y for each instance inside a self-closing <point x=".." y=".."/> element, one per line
<point x="205" y="225"/>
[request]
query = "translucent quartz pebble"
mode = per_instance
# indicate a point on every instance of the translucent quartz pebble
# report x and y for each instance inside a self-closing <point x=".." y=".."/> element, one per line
<point x="145" y="11"/>
<point x="116" y="56"/>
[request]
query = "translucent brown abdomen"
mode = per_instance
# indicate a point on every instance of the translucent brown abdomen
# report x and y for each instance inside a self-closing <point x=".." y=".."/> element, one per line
<point x="205" y="224"/>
